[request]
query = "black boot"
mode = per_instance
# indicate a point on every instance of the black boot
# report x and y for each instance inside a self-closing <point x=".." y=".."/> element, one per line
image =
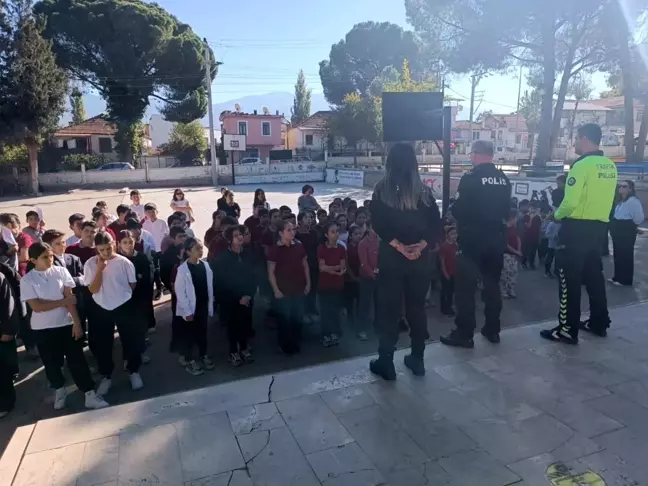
<point x="600" y="331"/>
<point x="383" y="367"/>
<point x="493" y="338"/>
<point x="415" y="364"/>
<point x="455" y="340"/>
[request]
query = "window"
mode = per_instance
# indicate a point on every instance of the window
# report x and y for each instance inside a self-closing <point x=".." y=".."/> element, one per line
<point x="265" y="129"/>
<point x="639" y="116"/>
<point x="492" y="134"/>
<point x="309" y="140"/>
<point x="105" y="145"/>
<point x="242" y="128"/>
<point x="475" y="135"/>
<point x="518" y="138"/>
<point x="499" y="135"/>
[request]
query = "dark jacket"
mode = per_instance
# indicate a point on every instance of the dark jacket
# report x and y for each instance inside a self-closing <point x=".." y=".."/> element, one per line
<point x="144" y="272"/>
<point x="234" y="275"/>
<point x="481" y="210"/>
<point x="9" y="314"/>
<point x="169" y="262"/>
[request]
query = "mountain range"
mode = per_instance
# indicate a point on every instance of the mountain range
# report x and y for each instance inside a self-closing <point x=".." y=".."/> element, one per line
<point x="274" y="101"/>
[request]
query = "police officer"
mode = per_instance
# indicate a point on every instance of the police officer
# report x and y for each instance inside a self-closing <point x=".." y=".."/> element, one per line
<point x="584" y="213"/>
<point x="481" y="210"/>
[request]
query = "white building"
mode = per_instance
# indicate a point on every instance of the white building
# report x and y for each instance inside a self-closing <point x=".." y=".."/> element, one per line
<point x="509" y="133"/>
<point x="160" y="130"/>
<point x="312" y="134"/>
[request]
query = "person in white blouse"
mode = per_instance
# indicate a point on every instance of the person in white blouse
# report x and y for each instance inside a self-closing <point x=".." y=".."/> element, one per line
<point x="628" y="215"/>
<point x="111" y="279"/>
<point x="181" y="204"/>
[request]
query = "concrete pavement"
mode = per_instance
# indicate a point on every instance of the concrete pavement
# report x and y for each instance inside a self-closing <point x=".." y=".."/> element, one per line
<point x="525" y="412"/>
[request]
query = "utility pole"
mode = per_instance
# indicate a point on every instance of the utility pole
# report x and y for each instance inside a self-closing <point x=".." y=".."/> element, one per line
<point x="517" y="111"/>
<point x="473" y="86"/>
<point x="210" y="111"/>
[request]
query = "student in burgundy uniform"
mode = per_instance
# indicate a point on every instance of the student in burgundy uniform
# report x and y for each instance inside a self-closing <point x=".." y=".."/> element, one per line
<point x="308" y="237"/>
<point x="331" y="258"/>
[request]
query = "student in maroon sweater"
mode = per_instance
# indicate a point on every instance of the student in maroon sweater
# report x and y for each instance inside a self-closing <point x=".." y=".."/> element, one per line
<point x="85" y="249"/>
<point x="308" y="237"/>
<point x="368" y="255"/>
<point x="448" y="259"/>
<point x="289" y="277"/>
<point x="531" y="237"/>
<point x="351" y="292"/>
<point x="331" y="257"/>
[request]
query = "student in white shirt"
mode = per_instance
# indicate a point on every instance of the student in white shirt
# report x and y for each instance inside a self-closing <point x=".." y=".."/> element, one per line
<point x="179" y="203"/>
<point x="111" y="279"/>
<point x="137" y="205"/>
<point x="76" y="225"/>
<point x="56" y="325"/>
<point x="194" y="291"/>
<point x="158" y="229"/>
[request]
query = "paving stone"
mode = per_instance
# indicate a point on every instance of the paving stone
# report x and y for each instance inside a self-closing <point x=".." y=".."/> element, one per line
<point x="343" y="465"/>
<point x="400" y="401"/>
<point x="273" y="458"/>
<point x="457" y="406"/>
<point x="150" y="456"/>
<point x="534" y="469"/>
<point x="513" y="441"/>
<point x="622" y="410"/>
<point x="388" y="447"/>
<point x="504" y="403"/>
<point x="629" y="444"/>
<point x="427" y="474"/>
<point x="613" y="468"/>
<point x="55" y="467"/>
<point x="232" y="478"/>
<point x="347" y="399"/>
<point x="636" y="391"/>
<point x="438" y="438"/>
<point x="100" y="462"/>
<point x="580" y="417"/>
<point x="463" y="376"/>
<point x="13" y="454"/>
<point x="263" y="416"/>
<point x="312" y="423"/>
<point x="207" y="446"/>
<point x="477" y="468"/>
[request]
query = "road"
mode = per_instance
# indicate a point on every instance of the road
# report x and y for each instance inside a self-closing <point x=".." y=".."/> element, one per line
<point x="536" y="302"/>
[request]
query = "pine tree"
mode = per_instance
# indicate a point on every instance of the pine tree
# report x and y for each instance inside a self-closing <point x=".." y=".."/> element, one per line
<point x="32" y="87"/>
<point x="302" y="103"/>
<point x="78" y="106"/>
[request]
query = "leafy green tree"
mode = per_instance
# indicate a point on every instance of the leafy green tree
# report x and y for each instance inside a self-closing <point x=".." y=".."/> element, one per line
<point x="302" y="103"/>
<point x="580" y="88"/>
<point x="352" y="122"/>
<point x="359" y="58"/>
<point x="130" y="51"/>
<point x="531" y="110"/>
<point x="32" y="87"/>
<point x="78" y="107"/>
<point x="187" y="141"/>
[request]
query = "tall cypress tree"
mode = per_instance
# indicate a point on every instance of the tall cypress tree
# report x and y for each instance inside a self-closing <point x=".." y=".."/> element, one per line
<point x="302" y="102"/>
<point x="77" y="105"/>
<point x="32" y="87"/>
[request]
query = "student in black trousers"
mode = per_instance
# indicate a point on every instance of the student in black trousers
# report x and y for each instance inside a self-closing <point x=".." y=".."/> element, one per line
<point x="628" y="215"/>
<point x="9" y="320"/>
<point x="406" y="218"/>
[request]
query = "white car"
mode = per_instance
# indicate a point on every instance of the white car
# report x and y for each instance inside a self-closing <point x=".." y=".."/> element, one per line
<point x="250" y="161"/>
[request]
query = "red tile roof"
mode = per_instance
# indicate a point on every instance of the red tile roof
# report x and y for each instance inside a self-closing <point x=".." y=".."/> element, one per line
<point x="513" y="122"/>
<point x="97" y="125"/>
<point x="317" y="120"/>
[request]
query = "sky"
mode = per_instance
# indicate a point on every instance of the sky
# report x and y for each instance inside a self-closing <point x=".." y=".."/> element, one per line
<point x="263" y="45"/>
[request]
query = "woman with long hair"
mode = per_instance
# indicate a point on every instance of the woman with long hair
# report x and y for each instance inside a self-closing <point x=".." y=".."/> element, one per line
<point x="406" y="218"/>
<point x="628" y="215"/>
<point x="181" y="204"/>
<point x="260" y="199"/>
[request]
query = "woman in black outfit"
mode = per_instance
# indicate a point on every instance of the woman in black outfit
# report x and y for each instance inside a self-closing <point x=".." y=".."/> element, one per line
<point x="406" y="218"/>
<point x="231" y="208"/>
<point x="627" y="216"/>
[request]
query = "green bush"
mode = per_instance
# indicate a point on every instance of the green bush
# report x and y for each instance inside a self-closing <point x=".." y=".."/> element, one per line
<point x="73" y="162"/>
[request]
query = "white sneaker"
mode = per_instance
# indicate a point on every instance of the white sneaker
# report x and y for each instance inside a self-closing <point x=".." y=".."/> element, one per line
<point x="136" y="381"/>
<point x="104" y="387"/>
<point x="94" y="401"/>
<point x="59" y="398"/>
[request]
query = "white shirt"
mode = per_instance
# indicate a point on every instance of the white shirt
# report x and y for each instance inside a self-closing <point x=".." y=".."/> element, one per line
<point x="186" y="292"/>
<point x="139" y="210"/>
<point x="180" y="204"/>
<point x="148" y="242"/>
<point x="115" y="287"/>
<point x="47" y="285"/>
<point x="7" y="236"/>
<point x="158" y="229"/>
<point x="72" y="240"/>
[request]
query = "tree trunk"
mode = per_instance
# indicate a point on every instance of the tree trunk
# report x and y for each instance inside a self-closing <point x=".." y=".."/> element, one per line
<point x="531" y="144"/>
<point x="571" y="125"/>
<point x="562" y="94"/>
<point x="355" y="155"/>
<point x="32" y="151"/>
<point x="543" y="153"/>
<point x="625" y="61"/>
<point x="643" y="132"/>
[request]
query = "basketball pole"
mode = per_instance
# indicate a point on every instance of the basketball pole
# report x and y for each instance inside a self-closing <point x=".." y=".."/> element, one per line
<point x="447" y="140"/>
<point x="210" y="110"/>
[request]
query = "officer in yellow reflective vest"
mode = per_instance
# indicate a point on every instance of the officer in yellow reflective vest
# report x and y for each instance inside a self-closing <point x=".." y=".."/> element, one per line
<point x="583" y="214"/>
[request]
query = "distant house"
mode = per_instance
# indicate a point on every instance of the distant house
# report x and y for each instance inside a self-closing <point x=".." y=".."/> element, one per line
<point x="263" y="132"/>
<point x="161" y="131"/>
<point x="509" y="133"/>
<point x="95" y="135"/>
<point x="311" y="134"/>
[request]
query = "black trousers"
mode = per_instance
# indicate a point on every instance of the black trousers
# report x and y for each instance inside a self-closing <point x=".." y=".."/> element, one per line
<point x="238" y="319"/>
<point x="624" y="236"/>
<point x="486" y="265"/>
<point x="177" y="327"/>
<point x="578" y="260"/>
<point x="8" y="368"/>
<point x="156" y="270"/>
<point x="101" y="334"/>
<point x="311" y="298"/>
<point x="549" y="259"/>
<point x="350" y="298"/>
<point x="394" y="286"/>
<point x="25" y="331"/>
<point x="330" y="306"/>
<point x="529" y="251"/>
<point x="56" y="347"/>
<point x="543" y="248"/>
<point x="367" y="312"/>
<point x="290" y="314"/>
<point x="446" y="294"/>
<point x="195" y="335"/>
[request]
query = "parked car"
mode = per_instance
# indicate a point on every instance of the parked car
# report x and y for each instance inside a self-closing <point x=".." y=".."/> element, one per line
<point x="113" y="166"/>
<point x="190" y="163"/>
<point x="302" y="158"/>
<point x="250" y="161"/>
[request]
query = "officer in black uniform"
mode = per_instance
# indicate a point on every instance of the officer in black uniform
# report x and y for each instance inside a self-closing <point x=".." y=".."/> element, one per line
<point x="481" y="210"/>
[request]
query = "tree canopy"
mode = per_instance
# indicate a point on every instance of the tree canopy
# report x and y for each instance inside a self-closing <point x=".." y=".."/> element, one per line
<point x="187" y="141"/>
<point x="302" y="103"/>
<point x="77" y="105"/>
<point x="367" y="49"/>
<point x="130" y="51"/>
<point x="32" y="87"/>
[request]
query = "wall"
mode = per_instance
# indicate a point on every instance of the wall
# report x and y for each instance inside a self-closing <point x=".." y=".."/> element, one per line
<point x="297" y="139"/>
<point x="254" y="128"/>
